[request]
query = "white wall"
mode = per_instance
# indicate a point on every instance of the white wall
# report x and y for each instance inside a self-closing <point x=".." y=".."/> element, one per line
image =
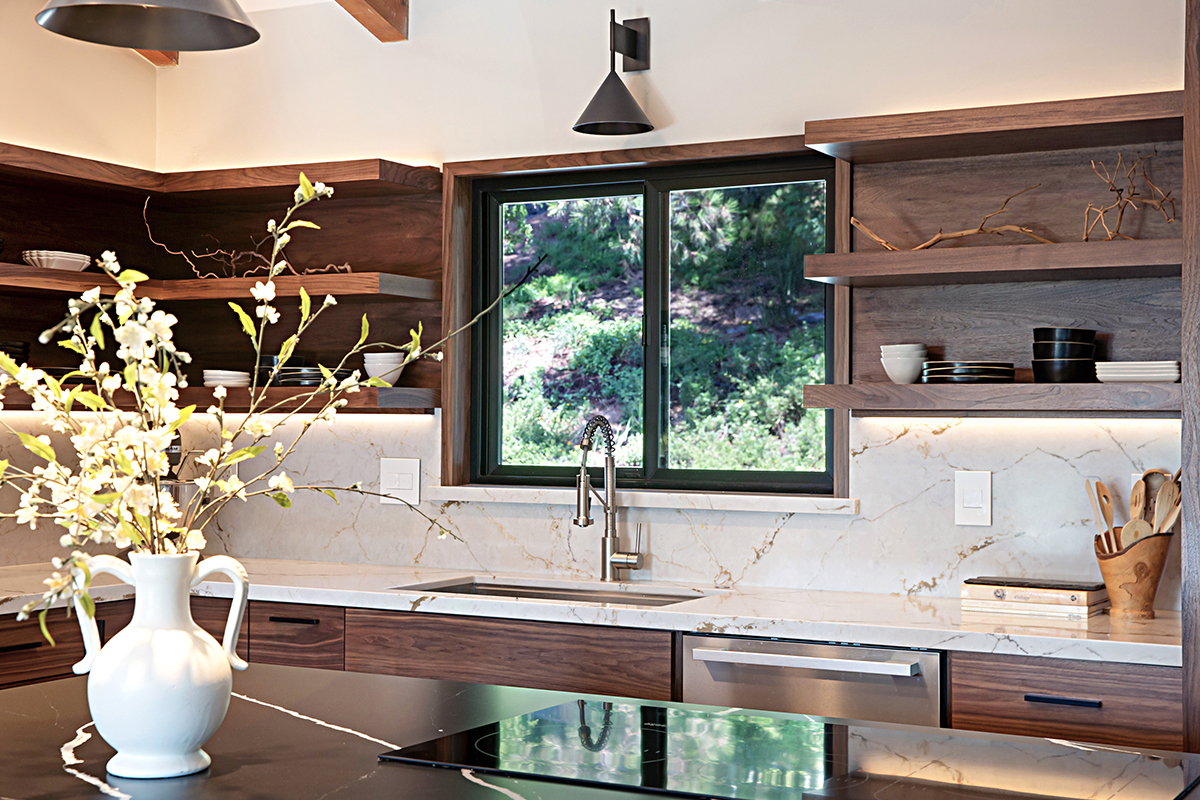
<point x="490" y="78"/>
<point x="72" y="97"/>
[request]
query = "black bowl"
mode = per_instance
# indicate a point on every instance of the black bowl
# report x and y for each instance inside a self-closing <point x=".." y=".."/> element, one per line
<point x="1085" y="335"/>
<point x="1049" y="350"/>
<point x="1064" y="370"/>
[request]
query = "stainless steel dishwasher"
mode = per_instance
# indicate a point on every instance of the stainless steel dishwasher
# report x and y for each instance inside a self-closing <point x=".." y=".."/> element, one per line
<point x="879" y="684"/>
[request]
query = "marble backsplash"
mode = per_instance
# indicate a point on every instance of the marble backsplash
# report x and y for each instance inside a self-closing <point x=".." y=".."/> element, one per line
<point x="904" y="541"/>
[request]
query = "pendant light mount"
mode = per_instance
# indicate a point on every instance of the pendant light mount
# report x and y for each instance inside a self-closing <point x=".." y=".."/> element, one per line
<point x="613" y="111"/>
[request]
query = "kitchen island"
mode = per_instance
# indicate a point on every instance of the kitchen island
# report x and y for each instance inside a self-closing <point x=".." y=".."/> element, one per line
<point x="300" y="733"/>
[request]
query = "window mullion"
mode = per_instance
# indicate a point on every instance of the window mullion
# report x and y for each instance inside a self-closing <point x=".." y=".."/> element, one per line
<point x="655" y="247"/>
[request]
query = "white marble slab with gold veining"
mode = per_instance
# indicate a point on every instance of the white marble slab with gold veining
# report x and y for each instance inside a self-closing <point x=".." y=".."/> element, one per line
<point x="854" y="617"/>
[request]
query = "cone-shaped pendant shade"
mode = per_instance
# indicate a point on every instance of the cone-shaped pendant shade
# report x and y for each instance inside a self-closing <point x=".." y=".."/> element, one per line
<point x="613" y="111"/>
<point x="151" y="24"/>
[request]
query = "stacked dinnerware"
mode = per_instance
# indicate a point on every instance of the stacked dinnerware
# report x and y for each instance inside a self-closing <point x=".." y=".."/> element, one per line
<point x="56" y="259"/>
<point x="387" y="366"/>
<point x="1137" y="371"/>
<point x="968" y="372"/>
<point x="901" y="362"/>
<point x="227" y="378"/>
<point x="1064" y="355"/>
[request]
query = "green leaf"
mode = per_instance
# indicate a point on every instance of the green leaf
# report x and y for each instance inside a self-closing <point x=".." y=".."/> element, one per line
<point x="69" y="400"/>
<point x="90" y="399"/>
<point x="306" y="187"/>
<point x="366" y="327"/>
<point x="106" y="497"/>
<point x="282" y="499"/>
<point x="7" y="364"/>
<point x="379" y="382"/>
<point x="305" y="305"/>
<point x="185" y="414"/>
<point x="96" y="329"/>
<point x="132" y="276"/>
<point x="89" y="605"/>
<point x="54" y="385"/>
<point x="123" y="463"/>
<point x="3" y="468"/>
<point x="130" y="375"/>
<point x="36" y="447"/>
<point x="325" y="373"/>
<point x="243" y="454"/>
<point x="331" y="494"/>
<point x="302" y="223"/>
<point x="247" y="323"/>
<point x="45" y="630"/>
<point x="286" y="350"/>
<point x="72" y="345"/>
<point x="130" y="532"/>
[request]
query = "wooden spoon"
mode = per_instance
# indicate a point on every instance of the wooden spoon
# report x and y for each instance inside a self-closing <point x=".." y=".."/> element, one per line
<point x="1154" y="479"/>
<point x="1172" y="516"/>
<point x="1137" y="500"/>
<point x="1168" y="494"/>
<point x="1104" y="498"/>
<point x="1135" y="529"/>
<point x="1103" y="544"/>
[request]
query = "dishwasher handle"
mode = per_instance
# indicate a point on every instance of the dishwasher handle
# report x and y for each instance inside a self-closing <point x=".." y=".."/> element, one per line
<point x="905" y="669"/>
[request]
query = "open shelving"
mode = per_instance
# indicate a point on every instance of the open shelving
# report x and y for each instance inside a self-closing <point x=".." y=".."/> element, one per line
<point x="396" y="399"/>
<point x="1025" y="399"/>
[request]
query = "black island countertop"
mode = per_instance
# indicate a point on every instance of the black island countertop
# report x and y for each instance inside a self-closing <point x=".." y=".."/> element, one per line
<point x="302" y="733"/>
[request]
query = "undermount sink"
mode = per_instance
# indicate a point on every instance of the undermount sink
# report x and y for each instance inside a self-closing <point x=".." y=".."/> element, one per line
<point x="612" y="594"/>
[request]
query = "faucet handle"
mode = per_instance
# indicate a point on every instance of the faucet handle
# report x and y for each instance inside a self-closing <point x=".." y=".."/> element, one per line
<point x="637" y="546"/>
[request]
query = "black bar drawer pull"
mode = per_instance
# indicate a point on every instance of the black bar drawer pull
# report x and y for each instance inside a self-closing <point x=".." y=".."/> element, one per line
<point x="14" y="648"/>
<point x="1055" y="700"/>
<point x="295" y="620"/>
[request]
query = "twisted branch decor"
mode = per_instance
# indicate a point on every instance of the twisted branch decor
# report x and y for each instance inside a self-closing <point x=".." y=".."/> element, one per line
<point x="1127" y="196"/>
<point x="981" y="229"/>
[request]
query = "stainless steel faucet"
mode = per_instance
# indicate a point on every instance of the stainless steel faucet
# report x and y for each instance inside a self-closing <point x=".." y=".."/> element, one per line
<point x="611" y="558"/>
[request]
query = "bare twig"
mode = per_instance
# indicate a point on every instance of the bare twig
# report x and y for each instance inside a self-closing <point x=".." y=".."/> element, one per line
<point x="1127" y="196"/>
<point x="981" y="229"/>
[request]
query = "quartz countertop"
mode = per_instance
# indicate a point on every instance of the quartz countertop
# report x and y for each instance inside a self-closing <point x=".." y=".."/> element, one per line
<point x="854" y="617"/>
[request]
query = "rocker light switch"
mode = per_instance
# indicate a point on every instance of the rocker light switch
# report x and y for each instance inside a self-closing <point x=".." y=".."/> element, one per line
<point x="401" y="478"/>
<point x="972" y="498"/>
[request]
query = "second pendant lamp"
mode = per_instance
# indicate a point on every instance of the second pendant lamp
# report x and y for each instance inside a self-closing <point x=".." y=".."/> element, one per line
<point x="613" y="111"/>
<point x="151" y="24"/>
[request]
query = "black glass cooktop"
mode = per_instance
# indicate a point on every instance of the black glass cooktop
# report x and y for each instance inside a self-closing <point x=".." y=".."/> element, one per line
<point x="730" y="753"/>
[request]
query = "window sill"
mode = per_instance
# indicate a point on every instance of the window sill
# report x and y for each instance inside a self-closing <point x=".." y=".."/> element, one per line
<point x="716" y="501"/>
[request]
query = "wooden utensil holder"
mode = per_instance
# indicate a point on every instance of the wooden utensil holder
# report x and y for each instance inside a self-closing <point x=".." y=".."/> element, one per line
<point x="1132" y="575"/>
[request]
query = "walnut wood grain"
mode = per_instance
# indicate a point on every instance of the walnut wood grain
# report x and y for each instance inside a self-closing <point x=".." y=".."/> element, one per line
<point x="26" y="657"/>
<point x="637" y="156"/>
<point x="1024" y="127"/>
<point x="212" y="613"/>
<point x="1027" y="397"/>
<point x="160" y="58"/>
<point x="1137" y="320"/>
<point x="42" y="164"/>
<point x="1142" y="258"/>
<point x="1141" y="706"/>
<point x="456" y="311"/>
<point x="387" y="20"/>
<point x="360" y="176"/>
<point x="842" y="210"/>
<point x="599" y="659"/>
<point x="297" y="635"/>
<point x="1190" y="457"/>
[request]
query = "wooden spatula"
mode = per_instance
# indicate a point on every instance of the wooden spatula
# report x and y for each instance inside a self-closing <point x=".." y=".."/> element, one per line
<point x="1101" y="539"/>
<point x="1137" y="500"/>
<point x="1104" y="498"/>
<point x="1168" y="495"/>
<point x="1172" y="516"/>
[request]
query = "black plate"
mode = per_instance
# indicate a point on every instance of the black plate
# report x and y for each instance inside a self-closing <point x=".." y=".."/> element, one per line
<point x="992" y="372"/>
<point x="964" y="379"/>
<point x="956" y="364"/>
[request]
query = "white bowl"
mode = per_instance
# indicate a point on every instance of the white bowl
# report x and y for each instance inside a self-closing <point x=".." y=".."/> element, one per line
<point x="384" y="356"/>
<point x="903" y="370"/>
<point x="900" y="349"/>
<point x="388" y="373"/>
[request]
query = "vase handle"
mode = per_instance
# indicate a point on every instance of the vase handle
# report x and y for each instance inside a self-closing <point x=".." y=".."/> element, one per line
<point x="87" y="625"/>
<point x="241" y="587"/>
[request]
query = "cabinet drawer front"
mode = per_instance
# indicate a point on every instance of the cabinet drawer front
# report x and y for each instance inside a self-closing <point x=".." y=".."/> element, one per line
<point x="26" y="656"/>
<point x="541" y="655"/>
<point x="1091" y="701"/>
<point x="297" y="635"/>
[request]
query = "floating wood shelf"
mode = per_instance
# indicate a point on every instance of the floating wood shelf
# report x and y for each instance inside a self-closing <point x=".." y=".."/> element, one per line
<point x="1023" y="128"/>
<point x="397" y="399"/>
<point x="1140" y="258"/>
<point x="1028" y="398"/>
<point x="19" y="276"/>
<point x="361" y="177"/>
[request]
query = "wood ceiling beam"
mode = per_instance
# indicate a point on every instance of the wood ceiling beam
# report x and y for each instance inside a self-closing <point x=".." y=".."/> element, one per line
<point x="387" y="20"/>
<point x="160" y="58"/>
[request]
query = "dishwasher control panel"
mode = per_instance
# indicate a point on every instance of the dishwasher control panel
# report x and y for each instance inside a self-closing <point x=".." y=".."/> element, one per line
<point x="878" y="684"/>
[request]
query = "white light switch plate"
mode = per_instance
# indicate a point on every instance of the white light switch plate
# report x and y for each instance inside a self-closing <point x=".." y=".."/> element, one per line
<point x="401" y="478"/>
<point x="972" y="498"/>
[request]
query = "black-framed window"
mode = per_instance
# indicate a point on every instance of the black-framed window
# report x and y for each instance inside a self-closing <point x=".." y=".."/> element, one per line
<point x="672" y="301"/>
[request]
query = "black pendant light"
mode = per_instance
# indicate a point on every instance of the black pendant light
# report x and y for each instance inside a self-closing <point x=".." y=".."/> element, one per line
<point x="613" y="111"/>
<point x="151" y="24"/>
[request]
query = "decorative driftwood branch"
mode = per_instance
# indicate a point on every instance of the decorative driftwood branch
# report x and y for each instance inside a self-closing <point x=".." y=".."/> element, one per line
<point x="1127" y="196"/>
<point x="982" y="229"/>
<point x="231" y="261"/>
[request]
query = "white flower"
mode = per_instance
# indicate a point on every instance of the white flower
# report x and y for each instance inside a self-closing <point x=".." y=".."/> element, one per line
<point x="233" y="485"/>
<point x="263" y="292"/>
<point x="91" y="296"/>
<point x="209" y="457"/>
<point x="257" y="427"/>
<point x="282" y="482"/>
<point x="202" y="483"/>
<point x="160" y="325"/>
<point x="108" y="260"/>
<point x="194" y="541"/>
<point x="269" y="312"/>
<point x="330" y="300"/>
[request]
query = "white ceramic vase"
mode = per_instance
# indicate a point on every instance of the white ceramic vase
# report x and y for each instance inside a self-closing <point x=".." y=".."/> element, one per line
<point x="160" y="687"/>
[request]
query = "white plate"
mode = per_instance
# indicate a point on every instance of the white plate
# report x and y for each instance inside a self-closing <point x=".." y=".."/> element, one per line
<point x="1109" y="379"/>
<point x="226" y="384"/>
<point x="1136" y="373"/>
<point x="1137" y="363"/>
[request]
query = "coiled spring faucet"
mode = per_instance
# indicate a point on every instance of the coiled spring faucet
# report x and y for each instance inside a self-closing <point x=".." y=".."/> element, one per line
<point x="611" y="557"/>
